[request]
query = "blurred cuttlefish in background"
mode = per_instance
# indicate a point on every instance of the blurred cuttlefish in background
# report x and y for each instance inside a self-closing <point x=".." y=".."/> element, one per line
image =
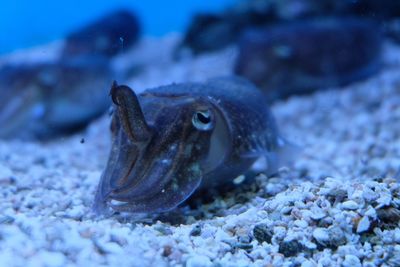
<point x="45" y="100"/>
<point x="49" y="99"/>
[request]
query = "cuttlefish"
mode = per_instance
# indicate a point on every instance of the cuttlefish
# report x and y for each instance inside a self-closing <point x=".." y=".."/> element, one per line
<point x="170" y="141"/>
<point x="47" y="100"/>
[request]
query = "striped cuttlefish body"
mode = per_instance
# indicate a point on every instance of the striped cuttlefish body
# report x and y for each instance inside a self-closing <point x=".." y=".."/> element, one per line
<point x="171" y="140"/>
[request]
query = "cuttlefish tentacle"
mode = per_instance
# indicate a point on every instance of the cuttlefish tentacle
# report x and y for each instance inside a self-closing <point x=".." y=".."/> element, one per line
<point x="176" y="191"/>
<point x="130" y="113"/>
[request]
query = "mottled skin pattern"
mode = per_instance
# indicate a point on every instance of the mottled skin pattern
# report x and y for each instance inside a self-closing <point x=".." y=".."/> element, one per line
<point x="171" y="140"/>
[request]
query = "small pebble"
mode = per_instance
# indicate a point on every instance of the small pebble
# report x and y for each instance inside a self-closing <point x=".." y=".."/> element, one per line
<point x="350" y="205"/>
<point x="6" y="219"/>
<point x="262" y="233"/>
<point x="351" y="261"/>
<point x="321" y="235"/>
<point x="196" y="231"/>
<point x="290" y="248"/>
<point x="307" y="263"/>
<point x="245" y="246"/>
<point x="388" y="215"/>
<point x="363" y="225"/>
<point x="198" y="261"/>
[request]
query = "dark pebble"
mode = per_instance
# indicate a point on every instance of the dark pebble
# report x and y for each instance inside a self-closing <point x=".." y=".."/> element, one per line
<point x="336" y="239"/>
<point x="6" y="220"/>
<point x="167" y="251"/>
<point x="262" y="233"/>
<point x="290" y="248"/>
<point x="245" y="246"/>
<point x="196" y="231"/>
<point x="389" y="215"/>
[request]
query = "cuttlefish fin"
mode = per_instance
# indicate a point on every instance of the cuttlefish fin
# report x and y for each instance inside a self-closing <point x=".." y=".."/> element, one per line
<point x="271" y="161"/>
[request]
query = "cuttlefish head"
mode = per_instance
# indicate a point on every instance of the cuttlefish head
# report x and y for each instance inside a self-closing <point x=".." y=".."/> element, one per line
<point x="153" y="167"/>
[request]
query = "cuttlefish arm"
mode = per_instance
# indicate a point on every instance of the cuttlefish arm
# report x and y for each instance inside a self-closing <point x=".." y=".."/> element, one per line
<point x="130" y="113"/>
<point x="175" y="192"/>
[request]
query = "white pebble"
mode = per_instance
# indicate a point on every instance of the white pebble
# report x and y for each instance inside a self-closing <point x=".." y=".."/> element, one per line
<point x="279" y="232"/>
<point x="371" y="212"/>
<point x="5" y="172"/>
<point x="363" y="225"/>
<point x="397" y="235"/>
<point x="52" y="259"/>
<point x="307" y="264"/>
<point x="350" y="205"/>
<point x="301" y="223"/>
<point x="198" y="261"/>
<point x="317" y="213"/>
<point x="351" y="261"/>
<point x="321" y="235"/>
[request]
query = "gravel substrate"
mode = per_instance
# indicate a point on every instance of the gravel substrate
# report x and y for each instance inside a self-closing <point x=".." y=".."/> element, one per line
<point x="338" y="205"/>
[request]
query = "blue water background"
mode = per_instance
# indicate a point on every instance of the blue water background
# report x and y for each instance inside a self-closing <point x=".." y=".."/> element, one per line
<point x="25" y="23"/>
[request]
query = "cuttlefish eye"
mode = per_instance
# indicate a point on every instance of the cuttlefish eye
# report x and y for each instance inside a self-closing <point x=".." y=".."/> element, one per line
<point x="203" y="120"/>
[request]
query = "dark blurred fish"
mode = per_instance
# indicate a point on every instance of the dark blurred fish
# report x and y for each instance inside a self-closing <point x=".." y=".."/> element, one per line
<point x="303" y="56"/>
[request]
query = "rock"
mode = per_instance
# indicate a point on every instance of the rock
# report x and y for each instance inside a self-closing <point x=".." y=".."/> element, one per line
<point x="285" y="59"/>
<point x="107" y="36"/>
<point x="198" y="261"/>
<point x="262" y="233"/>
<point x="245" y="246"/>
<point x="51" y="259"/>
<point x="5" y="219"/>
<point x="317" y="213"/>
<point x="350" y="205"/>
<point x="163" y="229"/>
<point x="6" y="176"/>
<point x="307" y="263"/>
<point x="321" y="235"/>
<point x="351" y="261"/>
<point x="388" y="215"/>
<point x="363" y="225"/>
<point x="337" y="237"/>
<point x="332" y="237"/>
<point x="290" y="248"/>
<point x="196" y="231"/>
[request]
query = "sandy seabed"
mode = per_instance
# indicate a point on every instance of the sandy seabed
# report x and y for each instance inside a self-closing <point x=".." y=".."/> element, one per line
<point x="338" y="205"/>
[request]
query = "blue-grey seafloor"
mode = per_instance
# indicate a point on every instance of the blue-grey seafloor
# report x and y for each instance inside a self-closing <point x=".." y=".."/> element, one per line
<point x="338" y="205"/>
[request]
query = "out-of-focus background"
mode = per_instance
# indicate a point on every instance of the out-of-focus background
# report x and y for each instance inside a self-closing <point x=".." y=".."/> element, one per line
<point x="58" y="59"/>
<point x="25" y="23"/>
